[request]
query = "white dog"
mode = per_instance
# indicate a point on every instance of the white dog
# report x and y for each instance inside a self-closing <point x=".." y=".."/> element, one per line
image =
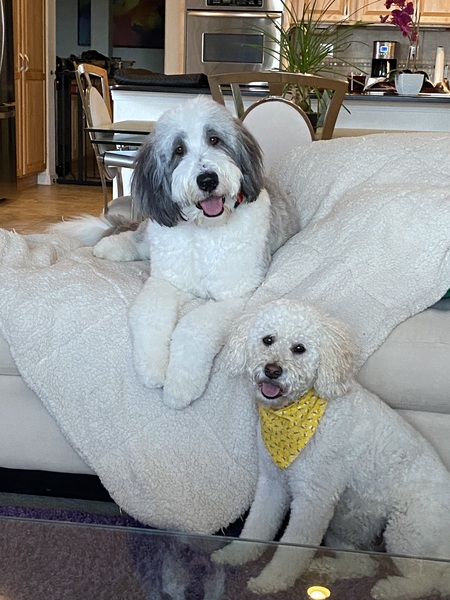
<point x="350" y="469"/>
<point x="210" y="233"/>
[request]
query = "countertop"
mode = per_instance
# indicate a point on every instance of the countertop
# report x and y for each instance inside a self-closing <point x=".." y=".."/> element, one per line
<point x="369" y="97"/>
<point x="394" y="97"/>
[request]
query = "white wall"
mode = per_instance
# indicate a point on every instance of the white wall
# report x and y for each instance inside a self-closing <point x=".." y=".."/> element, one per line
<point x="101" y="35"/>
<point x="67" y="28"/>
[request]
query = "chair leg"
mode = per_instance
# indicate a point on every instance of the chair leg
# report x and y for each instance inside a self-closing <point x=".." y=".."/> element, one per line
<point x="119" y="182"/>
<point x="105" y="190"/>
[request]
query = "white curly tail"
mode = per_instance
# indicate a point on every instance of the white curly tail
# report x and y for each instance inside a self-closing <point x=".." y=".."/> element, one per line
<point x="87" y="229"/>
<point x="90" y="230"/>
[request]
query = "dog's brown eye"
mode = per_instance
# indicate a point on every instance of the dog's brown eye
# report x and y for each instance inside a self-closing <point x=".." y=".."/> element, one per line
<point x="179" y="150"/>
<point x="298" y="349"/>
<point x="268" y="340"/>
<point x="213" y="140"/>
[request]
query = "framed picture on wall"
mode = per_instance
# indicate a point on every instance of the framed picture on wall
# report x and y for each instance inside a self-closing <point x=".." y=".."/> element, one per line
<point x="84" y="22"/>
<point x="138" y="23"/>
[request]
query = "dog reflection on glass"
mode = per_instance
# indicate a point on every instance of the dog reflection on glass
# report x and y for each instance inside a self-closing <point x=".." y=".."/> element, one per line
<point x="348" y="467"/>
<point x="210" y="230"/>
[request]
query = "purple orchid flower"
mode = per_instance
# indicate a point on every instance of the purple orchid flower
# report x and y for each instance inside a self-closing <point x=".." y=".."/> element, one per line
<point x="402" y="16"/>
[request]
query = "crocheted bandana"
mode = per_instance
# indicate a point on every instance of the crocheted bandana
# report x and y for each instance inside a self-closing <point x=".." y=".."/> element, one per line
<point x="286" y="431"/>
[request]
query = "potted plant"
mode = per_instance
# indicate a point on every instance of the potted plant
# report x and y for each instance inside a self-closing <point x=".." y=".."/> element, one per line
<point x="409" y="81"/>
<point x="303" y="45"/>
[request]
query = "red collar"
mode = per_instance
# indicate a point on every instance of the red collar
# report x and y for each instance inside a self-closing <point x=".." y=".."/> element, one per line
<point x="239" y="199"/>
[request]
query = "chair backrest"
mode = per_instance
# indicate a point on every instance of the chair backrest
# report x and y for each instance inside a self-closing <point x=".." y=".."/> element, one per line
<point x="276" y="82"/>
<point x="87" y="75"/>
<point x="96" y="105"/>
<point x="278" y="125"/>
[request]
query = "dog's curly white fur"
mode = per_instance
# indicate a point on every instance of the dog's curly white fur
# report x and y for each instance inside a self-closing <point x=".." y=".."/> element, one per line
<point x="210" y="231"/>
<point x="366" y="475"/>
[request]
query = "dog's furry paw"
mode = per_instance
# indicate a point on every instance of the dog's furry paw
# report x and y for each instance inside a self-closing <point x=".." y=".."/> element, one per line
<point x="180" y="392"/>
<point x="174" y="400"/>
<point x="149" y="374"/>
<point x="264" y="584"/>
<point x="344" y="566"/>
<point x="150" y="364"/>
<point x="396" y="587"/>
<point x="117" y="248"/>
<point x="238" y="553"/>
<point x="150" y="354"/>
<point x="187" y="375"/>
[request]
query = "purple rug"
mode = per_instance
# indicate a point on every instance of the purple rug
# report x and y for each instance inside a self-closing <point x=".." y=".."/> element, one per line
<point x="45" y="559"/>
<point x="69" y="515"/>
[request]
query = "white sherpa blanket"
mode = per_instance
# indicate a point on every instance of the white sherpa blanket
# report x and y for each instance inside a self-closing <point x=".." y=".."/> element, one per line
<point x="374" y="250"/>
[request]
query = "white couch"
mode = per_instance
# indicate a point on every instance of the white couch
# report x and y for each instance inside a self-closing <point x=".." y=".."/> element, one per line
<point x="29" y="437"/>
<point x="410" y="371"/>
<point x="372" y="251"/>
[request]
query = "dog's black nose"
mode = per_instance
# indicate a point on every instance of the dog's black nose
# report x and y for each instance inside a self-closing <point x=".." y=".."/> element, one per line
<point x="273" y="371"/>
<point x="208" y="181"/>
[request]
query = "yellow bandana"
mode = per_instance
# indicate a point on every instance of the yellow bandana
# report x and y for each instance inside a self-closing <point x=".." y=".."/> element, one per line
<point x="286" y="431"/>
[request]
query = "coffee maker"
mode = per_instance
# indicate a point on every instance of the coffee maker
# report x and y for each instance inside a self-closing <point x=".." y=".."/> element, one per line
<point x="383" y="59"/>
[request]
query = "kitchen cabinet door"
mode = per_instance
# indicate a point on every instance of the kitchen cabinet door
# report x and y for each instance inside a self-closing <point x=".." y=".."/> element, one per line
<point x="435" y="12"/>
<point x="339" y="9"/>
<point x="30" y="86"/>
<point x="370" y="12"/>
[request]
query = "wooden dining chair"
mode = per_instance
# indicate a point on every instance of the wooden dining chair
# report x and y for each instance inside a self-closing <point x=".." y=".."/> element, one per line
<point x="278" y="125"/>
<point x="276" y="83"/>
<point x="93" y="87"/>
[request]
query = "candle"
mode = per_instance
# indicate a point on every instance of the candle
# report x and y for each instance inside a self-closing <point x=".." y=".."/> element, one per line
<point x="439" y="65"/>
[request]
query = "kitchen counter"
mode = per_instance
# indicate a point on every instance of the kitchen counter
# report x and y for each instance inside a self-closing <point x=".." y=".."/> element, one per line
<point x="370" y="97"/>
<point x="157" y="89"/>
<point x="425" y="112"/>
<point x="360" y="111"/>
<point x="421" y="98"/>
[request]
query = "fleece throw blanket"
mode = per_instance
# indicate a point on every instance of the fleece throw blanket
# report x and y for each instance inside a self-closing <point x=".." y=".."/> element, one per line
<point x="373" y="250"/>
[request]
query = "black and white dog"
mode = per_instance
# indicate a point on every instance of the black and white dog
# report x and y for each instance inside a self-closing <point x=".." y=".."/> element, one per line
<point x="210" y="229"/>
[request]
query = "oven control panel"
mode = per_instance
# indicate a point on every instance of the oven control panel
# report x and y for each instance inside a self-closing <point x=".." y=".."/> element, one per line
<point x="238" y="3"/>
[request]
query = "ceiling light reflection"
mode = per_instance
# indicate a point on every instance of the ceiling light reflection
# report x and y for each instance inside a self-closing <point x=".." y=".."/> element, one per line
<point x="318" y="592"/>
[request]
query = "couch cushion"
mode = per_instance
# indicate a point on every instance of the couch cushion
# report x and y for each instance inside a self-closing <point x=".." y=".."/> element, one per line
<point x="7" y="364"/>
<point x="411" y="370"/>
<point x="434" y="427"/>
<point x="29" y="436"/>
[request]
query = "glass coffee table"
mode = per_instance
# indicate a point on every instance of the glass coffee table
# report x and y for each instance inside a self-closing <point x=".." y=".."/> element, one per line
<point x="49" y="560"/>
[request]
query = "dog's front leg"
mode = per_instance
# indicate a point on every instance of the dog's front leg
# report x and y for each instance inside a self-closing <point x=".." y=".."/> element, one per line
<point x="123" y="247"/>
<point x="308" y="522"/>
<point x="419" y="579"/>
<point x="152" y="319"/>
<point x="197" y="339"/>
<point x="263" y="522"/>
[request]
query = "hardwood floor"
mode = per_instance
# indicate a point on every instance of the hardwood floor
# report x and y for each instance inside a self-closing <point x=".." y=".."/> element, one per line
<point x="33" y="209"/>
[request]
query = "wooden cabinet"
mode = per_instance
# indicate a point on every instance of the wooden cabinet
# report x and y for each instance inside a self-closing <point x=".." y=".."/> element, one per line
<point x="370" y="12"/>
<point x="339" y="9"/>
<point x="30" y="85"/>
<point x="433" y="12"/>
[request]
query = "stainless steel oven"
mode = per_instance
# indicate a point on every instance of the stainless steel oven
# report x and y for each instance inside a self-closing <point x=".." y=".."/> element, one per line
<point x="228" y="35"/>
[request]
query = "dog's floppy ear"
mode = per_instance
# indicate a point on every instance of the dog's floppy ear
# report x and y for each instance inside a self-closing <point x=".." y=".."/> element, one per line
<point x="336" y="359"/>
<point x="235" y="354"/>
<point x="250" y="161"/>
<point x="150" y="187"/>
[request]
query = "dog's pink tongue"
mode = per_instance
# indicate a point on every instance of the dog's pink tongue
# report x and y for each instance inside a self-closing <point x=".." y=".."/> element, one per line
<point x="213" y="206"/>
<point x="269" y="390"/>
